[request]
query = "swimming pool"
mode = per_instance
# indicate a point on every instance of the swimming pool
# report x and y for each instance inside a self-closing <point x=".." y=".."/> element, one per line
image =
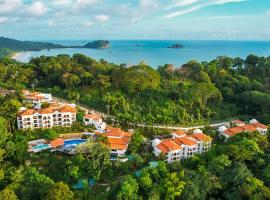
<point x="73" y="142"/>
<point x="40" y="147"/>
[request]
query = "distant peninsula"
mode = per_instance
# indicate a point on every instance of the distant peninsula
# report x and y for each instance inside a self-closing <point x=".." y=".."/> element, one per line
<point x="10" y="46"/>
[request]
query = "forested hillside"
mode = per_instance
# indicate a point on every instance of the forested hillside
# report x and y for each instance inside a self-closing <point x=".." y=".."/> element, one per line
<point x="195" y="93"/>
<point x="238" y="169"/>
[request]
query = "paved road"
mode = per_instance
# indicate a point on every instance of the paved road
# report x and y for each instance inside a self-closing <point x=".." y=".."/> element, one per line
<point x="88" y="109"/>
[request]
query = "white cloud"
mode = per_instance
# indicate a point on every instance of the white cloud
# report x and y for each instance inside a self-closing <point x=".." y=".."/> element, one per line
<point x="195" y="5"/>
<point x="101" y="18"/>
<point x="88" y="23"/>
<point x="182" y="12"/>
<point x="36" y="9"/>
<point x="268" y="12"/>
<point x="3" y="20"/>
<point x="8" y="6"/>
<point x="84" y="4"/>
<point x="181" y="3"/>
<point x="148" y="4"/>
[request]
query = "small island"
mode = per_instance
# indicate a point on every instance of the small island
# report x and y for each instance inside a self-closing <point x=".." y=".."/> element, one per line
<point x="176" y="46"/>
<point x="98" y="44"/>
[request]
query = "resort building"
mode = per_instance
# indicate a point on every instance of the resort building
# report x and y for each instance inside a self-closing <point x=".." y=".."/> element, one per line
<point x="181" y="145"/>
<point x="36" y="98"/>
<point x="253" y="125"/>
<point x="95" y="120"/>
<point x="62" y="115"/>
<point x="118" y="141"/>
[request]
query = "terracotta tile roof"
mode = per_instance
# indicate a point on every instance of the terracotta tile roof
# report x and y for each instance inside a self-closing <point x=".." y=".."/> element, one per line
<point x="92" y="116"/>
<point x="26" y="112"/>
<point x="237" y="121"/>
<point x="57" y="142"/>
<point x="66" y="108"/>
<point x="116" y="132"/>
<point x="249" y="127"/>
<point x="179" y="132"/>
<point x="118" y="143"/>
<point x="61" y="109"/>
<point x="201" y="137"/>
<point x="168" y="145"/>
<point x="234" y="130"/>
<point x="259" y="125"/>
<point x="117" y="138"/>
<point x="186" y="141"/>
<point x="163" y="148"/>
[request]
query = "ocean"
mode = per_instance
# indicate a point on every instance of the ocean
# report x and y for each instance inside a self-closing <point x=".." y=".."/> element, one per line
<point x="156" y="52"/>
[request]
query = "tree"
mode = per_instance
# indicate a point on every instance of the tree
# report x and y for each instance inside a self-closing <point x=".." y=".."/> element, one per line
<point x="219" y="163"/>
<point x="103" y="81"/>
<point x="97" y="156"/>
<point x="244" y="150"/>
<point x="173" y="185"/>
<point x="135" y="143"/>
<point x="128" y="189"/>
<point x="59" y="191"/>
<point x="145" y="181"/>
<point x="143" y="77"/>
<point x="35" y="185"/>
<point x="9" y="110"/>
<point x="8" y="194"/>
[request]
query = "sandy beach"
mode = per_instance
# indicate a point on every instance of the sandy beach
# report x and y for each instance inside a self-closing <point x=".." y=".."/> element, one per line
<point x="22" y="56"/>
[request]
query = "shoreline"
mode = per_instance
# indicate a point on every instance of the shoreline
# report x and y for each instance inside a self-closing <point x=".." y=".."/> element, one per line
<point x="21" y="56"/>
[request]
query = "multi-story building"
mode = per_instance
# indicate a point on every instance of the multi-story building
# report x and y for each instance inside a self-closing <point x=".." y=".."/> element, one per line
<point x="96" y="120"/>
<point x="253" y="125"/>
<point x="181" y="145"/>
<point x="118" y="141"/>
<point x="60" y="115"/>
<point x="36" y="98"/>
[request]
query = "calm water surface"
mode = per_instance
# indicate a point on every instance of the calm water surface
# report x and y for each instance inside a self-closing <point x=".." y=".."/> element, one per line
<point x="157" y="53"/>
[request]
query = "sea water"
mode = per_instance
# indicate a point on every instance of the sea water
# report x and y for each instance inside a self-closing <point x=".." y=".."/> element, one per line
<point x="156" y="52"/>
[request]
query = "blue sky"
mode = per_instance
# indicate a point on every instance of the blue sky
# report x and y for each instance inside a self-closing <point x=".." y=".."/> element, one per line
<point x="135" y="19"/>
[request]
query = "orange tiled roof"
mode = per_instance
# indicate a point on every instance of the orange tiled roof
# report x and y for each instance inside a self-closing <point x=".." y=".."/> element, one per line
<point x="66" y="108"/>
<point x="118" y="143"/>
<point x="186" y="141"/>
<point x="249" y="127"/>
<point x="179" y="132"/>
<point x="237" y="121"/>
<point x="201" y="137"/>
<point x="116" y="132"/>
<point x="234" y="130"/>
<point x="92" y="116"/>
<point x="57" y="142"/>
<point x="259" y="125"/>
<point x="168" y="145"/>
<point x="61" y="109"/>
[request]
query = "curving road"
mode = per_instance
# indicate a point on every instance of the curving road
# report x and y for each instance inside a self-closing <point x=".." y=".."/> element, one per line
<point x="88" y="109"/>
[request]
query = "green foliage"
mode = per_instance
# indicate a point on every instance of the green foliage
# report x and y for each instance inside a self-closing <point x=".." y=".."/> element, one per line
<point x="8" y="194"/>
<point x="128" y="189"/>
<point x="139" y="78"/>
<point x="96" y="157"/>
<point x="173" y="185"/>
<point x="59" y="191"/>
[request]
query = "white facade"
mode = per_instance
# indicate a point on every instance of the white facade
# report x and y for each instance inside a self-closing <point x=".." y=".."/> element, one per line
<point x="254" y="125"/>
<point x="93" y="119"/>
<point x="45" y="118"/>
<point x="36" y="98"/>
<point x="181" y="146"/>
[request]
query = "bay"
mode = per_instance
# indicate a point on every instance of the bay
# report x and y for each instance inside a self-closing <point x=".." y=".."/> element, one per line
<point x="156" y="52"/>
